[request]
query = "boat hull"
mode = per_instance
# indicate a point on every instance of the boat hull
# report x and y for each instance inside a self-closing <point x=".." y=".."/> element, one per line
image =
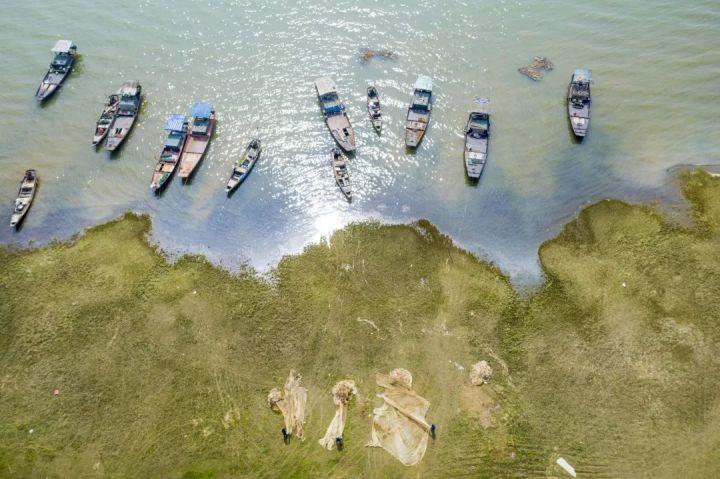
<point x="195" y="148"/>
<point x="114" y="140"/>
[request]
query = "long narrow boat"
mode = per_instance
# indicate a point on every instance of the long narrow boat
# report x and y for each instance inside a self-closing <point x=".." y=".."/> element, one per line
<point x="177" y="128"/>
<point x="418" y="115"/>
<point x="102" y="126"/>
<point x="201" y="130"/>
<point x="130" y="98"/>
<point x="579" y="101"/>
<point x="333" y="111"/>
<point x="244" y="165"/>
<point x="60" y="68"/>
<point x="476" y="143"/>
<point x="24" y="198"/>
<point x="342" y="177"/>
<point x="373" y="107"/>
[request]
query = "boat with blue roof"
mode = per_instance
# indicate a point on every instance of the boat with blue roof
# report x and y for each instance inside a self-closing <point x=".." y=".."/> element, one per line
<point x="418" y="115"/>
<point x="201" y="129"/>
<point x="579" y="101"/>
<point x="177" y="128"/>
<point x="333" y="111"/>
<point x="130" y="94"/>
<point x="477" y="134"/>
<point x="60" y="67"/>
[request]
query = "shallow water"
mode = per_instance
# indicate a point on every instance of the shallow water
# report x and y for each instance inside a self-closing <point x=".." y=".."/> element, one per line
<point x="655" y="67"/>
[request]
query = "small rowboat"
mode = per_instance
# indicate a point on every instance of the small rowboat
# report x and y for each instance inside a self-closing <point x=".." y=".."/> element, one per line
<point x="177" y="128"/>
<point x="106" y="118"/>
<point x="342" y="177"/>
<point x="373" y="106"/>
<point x="24" y="198"/>
<point x="244" y="165"/>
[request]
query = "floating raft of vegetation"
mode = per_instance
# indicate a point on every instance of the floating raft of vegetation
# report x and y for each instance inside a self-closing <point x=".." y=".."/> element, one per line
<point x="536" y="67"/>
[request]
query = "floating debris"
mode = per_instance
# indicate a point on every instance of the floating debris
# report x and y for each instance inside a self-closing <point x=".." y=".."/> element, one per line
<point x="367" y="54"/>
<point x="534" y="70"/>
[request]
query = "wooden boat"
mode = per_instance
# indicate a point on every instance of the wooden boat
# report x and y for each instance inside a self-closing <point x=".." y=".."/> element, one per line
<point x="102" y="126"/>
<point x="373" y="107"/>
<point x="333" y="111"/>
<point x="244" y="165"/>
<point x="477" y="134"/>
<point x="418" y="115"/>
<point x="342" y="177"/>
<point x="130" y="94"/>
<point x="177" y="128"/>
<point x="24" y="198"/>
<point x="201" y="130"/>
<point x="579" y="101"/>
<point x="60" y="68"/>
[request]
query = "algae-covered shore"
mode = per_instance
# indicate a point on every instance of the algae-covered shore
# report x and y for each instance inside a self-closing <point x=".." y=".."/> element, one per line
<point x="162" y="370"/>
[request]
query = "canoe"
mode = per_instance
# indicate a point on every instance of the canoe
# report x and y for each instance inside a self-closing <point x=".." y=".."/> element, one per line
<point x="201" y="130"/>
<point x="128" y="108"/>
<point x="60" y="68"/>
<point x="177" y="128"/>
<point x="477" y="134"/>
<point x="333" y="111"/>
<point x="102" y="126"/>
<point x="418" y="115"/>
<point x="579" y="101"/>
<point x="244" y="165"/>
<point x="25" y="197"/>
<point x="342" y="177"/>
<point x="373" y="107"/>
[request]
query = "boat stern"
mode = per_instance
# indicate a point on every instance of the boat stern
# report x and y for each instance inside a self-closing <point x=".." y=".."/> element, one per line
<point x="15" y="220"/>
<point x="474" y="164"/>
<point x="413" y="137"/>
<point x="45" y="91"/>
<point x="580" y="125"/>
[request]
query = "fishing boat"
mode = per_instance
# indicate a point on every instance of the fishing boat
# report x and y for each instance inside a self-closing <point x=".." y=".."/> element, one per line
<point x="333" y="111"/>
<point x="102" y="126"/>
<point x="201" y="129"/>
<point x="476" y="143"/>
<point x="60" y="68"/>
<point x="579" y="102"/>
<point x="244" y="165"/>
<point x="373" y="107"/>
<point x="24" y="198"/>
<point x="130" y="94"/>
<point x="418" y="115"/>
<point x="177" y="129"/>
<point x="342" y="177"/>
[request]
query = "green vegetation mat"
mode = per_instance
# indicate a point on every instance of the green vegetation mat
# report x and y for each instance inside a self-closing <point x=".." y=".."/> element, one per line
<point x="163" y="369"/>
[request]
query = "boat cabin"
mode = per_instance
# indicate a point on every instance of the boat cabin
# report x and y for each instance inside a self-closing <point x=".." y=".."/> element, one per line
<point x="201" y="113"/>
<point x="64" y="51"/>
<point x="580" y="90"/>
<point x="327" y="92"/>
<point x="479" y="126"/>
<point x="176" y="125"/>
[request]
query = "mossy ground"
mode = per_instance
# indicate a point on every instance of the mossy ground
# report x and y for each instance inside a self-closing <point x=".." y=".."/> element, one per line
<point x="163" y="369"/>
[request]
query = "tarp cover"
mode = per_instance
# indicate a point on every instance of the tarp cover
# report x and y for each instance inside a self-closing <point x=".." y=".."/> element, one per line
<point x="290" y="402"/>
<point x="399" y="424"/>
<point x="175" y="122"/>
<point x="201" y="110"/>
<point x="581" y="75"/>
<point x="129" y="88"/>
<point x="63" y="46"/>
<point x="342" y="393"/>
<point x="423" y="83"/>
<point x="325" y="85"/>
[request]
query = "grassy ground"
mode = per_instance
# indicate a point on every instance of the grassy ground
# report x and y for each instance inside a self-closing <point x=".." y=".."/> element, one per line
<point x="163" y="369"/>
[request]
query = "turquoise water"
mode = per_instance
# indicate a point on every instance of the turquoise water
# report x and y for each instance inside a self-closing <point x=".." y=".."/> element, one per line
<point x="655" y="67"/>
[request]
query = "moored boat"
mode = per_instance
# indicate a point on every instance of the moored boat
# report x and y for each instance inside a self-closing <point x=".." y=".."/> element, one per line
<point x="60" y="68"/>
<point x="579" y="101"/>
<point x="102" y="126"/>
<point x="477" y="134"/>
<point x="342" y="177"/>
<point x="333" y="111"/>
<point x="25" y="196"/>
<point x="201" y="130"/>
<point x="373" y="107"/>
<point x="244" y="165"/>
<point x="130" y="94"/>
<point x="418" y="115"/>
<point x="177" y="127"/>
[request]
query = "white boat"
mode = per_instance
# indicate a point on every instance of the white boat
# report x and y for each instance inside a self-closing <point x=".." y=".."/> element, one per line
<point x="25" y="196"/>
<point x="333" y="111"/>
<point x="342" y="177"/>
<point x="477" y="134"/>
<point x="244" y="165"/>
<point x="418" y="115"/>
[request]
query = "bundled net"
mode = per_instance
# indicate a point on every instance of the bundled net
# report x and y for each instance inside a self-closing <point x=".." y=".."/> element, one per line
<point x="290" y="402"/>
<point x="342" y="392"/>
<point x="481" y="373"/>
<point x="534" y="70"/>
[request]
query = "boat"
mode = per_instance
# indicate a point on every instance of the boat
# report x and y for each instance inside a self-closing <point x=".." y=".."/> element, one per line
<point x="24" y="198"/>
<point x="334" y="112"/>
<point x="177" y="129"/>
<point x="102" y="126"/>
<point x="418" y="115"/>
<point x="201" y="130"/>
<point x="130" y="94"/>
<point x="476" y="143"/>
<point x="342" y="178"/>
<point x="244" y="165"/>
<point x="579" y="101"/>
<point x="373" y="106"/>
<point x="60" y="67"/>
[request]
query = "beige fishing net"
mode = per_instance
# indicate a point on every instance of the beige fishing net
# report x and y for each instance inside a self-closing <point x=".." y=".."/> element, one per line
<point x="481" y="373"/>
<point x="399" y="424"/>
<point x="290" y="402"/>
<point x="342" y="393"/>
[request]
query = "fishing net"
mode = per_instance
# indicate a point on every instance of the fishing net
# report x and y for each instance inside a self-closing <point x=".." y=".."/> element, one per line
<point x="481" y="373"/>
<point x="290" y="402"/>
<point x="534" y="70"/>
<point x="399" y="424"/>
<point x="342" y="392"/>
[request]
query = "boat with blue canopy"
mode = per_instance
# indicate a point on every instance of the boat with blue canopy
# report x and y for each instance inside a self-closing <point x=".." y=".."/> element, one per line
<point x="418" y="115"/>
<point x="201" y="130"/>
<point x="177" y="128"/>
<point x="333" y="111"/>
<point x="579" y="101"/>
<point x="60" y="67"/>
<point x="130" y="94"/>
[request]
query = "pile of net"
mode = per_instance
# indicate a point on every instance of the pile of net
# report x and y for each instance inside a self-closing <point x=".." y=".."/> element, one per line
<point x="534" y="70"/>
<point x="342" y="392"/>
<point x="399" y="425"/>
<point x="367" y="54"/>
<point x="481" y="373"/>
<point x="290" y="402"/>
